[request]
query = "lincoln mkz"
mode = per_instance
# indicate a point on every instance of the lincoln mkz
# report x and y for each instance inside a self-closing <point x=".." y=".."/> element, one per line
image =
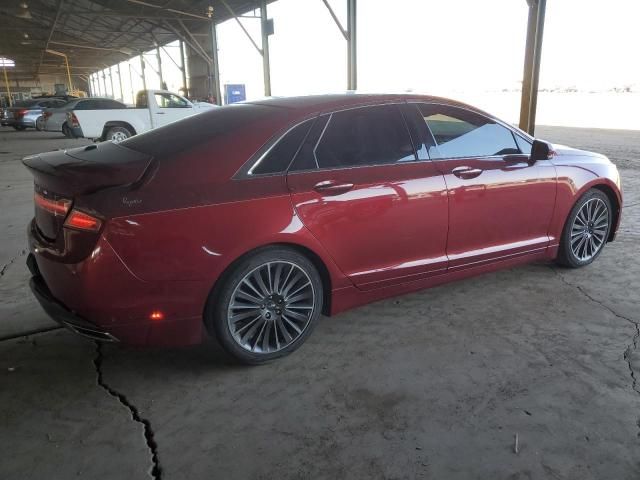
<point x="249" y="221"/>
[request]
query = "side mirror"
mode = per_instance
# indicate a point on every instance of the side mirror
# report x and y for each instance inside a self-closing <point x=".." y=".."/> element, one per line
<point x="541" y="151"/>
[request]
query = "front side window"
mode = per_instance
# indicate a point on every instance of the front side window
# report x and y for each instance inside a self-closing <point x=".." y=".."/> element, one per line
<point x="523" y="145"/>
<point x="168" y="100"/>
<point x="364" y="136"/>
<point x="460" y="133"/>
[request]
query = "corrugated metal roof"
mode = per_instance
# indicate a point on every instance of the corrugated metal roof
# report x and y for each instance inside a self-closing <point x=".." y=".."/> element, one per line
<point x="116" y="29"/>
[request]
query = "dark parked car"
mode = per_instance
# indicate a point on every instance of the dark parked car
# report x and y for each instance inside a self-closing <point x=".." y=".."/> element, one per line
<point x="25" y="114"/>
<point x="248" y="221"/>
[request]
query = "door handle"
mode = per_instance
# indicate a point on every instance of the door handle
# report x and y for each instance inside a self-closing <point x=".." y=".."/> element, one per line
<point x="332" y="188"/>
<point x="159" y="113"/>
<point x="466" y="172"/>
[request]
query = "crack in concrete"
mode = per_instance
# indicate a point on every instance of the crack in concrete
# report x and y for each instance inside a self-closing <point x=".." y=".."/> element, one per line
<point x="155" y="471"/>
<point x="10" y="262"/>
<point x="634" y="341"/>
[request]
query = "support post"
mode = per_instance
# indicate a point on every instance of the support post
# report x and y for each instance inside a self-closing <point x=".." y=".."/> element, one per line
<point x="183" y="70"/>
<point x="120" y="83"/>
<point x="104" y="82"/>
<point x="160" y="68"/>
<point x="6" y="82"/>
<point x="532" y="59"/>
<point x="66" y="61"/>
<point x="215" y="69"/>
<point x="264" y="30"/>
<point x="352" y="41"/>
<point x="144" y="78"/>
<point x="133" y="92"/>
<point x="113" y="91"/>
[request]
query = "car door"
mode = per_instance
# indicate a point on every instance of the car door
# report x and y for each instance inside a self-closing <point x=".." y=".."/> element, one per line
<point x="170" y="108"/>
<point x="357" y="186"/>
<point x="500" y="204"/>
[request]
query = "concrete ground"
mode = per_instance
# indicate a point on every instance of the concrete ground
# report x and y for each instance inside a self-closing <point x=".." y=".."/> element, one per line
<point x="437" y="384"/>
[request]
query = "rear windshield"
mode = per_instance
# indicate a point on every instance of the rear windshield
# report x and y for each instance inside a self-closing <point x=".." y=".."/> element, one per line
<point x="197" y="129"/>
<point x="26" y="103"/>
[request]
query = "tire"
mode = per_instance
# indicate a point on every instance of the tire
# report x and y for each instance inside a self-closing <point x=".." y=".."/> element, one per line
<point x="66" y="131"/>
<point x="20" y="128"/>
<point x="586" y="226"/>
<point x="268" y="324"/>
<point x="118" y="134"/>
<point x="40" y="123"/>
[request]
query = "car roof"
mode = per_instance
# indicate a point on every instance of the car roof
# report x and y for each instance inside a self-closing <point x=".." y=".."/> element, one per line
<point x="319" y="103"/>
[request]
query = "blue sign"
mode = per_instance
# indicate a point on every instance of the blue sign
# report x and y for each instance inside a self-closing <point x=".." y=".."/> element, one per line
<point x="234" y="93"/>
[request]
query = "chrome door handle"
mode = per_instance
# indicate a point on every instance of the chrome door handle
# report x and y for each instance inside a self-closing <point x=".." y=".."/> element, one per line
<point x="332" y="188"/>
<point x="466" y="173"/>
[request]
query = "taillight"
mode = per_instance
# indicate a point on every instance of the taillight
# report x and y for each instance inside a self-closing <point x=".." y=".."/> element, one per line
<point x="73" y="119"/>
<point x="83" y="221"/>
<point x="20" y="113"/>
<point x="58" y="208"/>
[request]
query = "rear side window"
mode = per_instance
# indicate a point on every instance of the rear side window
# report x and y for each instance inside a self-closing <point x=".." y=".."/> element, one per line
<point x="280" y="155"/>
<point x="461" y="133"/>
<point x="364" y="136"/>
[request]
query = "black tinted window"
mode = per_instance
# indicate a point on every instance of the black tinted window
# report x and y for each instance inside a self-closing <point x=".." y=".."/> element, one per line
<point x="461" y="133"/>
<point x="364" y="136"/>
<point x="280" y="155"/>
<point x="87" y="105"/>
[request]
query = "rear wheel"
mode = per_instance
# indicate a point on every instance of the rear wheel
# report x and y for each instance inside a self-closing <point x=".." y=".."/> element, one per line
<point x="118" y="134"/>
<point x="586" y="230"/>
<point x="267" y="306"/>
<point x="40" y="123"/>
<point x="66" y="131"/>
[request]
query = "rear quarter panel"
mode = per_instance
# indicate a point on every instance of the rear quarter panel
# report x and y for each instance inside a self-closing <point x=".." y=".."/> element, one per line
<point x="92" y="122"/>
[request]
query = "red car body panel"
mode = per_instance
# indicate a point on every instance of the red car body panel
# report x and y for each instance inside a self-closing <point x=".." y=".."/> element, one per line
<point x="173" y="227"/>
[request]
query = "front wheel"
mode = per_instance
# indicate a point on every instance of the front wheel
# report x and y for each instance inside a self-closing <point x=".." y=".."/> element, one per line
<point x="118" y="134"/>
<point x="586" y="230"/>
<point x="267" y="306"/>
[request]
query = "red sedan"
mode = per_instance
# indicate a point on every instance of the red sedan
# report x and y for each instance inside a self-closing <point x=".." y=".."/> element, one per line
<point x="249" y="221"/>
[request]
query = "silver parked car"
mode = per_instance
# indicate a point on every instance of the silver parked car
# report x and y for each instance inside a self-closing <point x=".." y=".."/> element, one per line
<point x="55" y="119"/>
<point x="26" y="113"/>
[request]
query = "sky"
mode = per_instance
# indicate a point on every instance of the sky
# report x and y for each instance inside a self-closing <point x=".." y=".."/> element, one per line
<point x="437" y="46"/>
<point x="470" y="50"/>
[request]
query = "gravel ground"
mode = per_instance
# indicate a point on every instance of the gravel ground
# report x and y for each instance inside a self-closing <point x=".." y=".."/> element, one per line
<point x="436" y="384"/>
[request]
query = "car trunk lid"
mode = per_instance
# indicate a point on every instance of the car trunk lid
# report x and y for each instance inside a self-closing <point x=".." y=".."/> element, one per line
<point x="61" y="176"/>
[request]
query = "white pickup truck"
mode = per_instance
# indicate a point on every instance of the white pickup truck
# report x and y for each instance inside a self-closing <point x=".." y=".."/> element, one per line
<point x="154" y="108"/>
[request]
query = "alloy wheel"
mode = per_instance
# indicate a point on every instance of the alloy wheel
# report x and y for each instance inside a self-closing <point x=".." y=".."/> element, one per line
<point x="118" y="137"/>
<point x="589" y="229"/>
<point x="271" y="307"/>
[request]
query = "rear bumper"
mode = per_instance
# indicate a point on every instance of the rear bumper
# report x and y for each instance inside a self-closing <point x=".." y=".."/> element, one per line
<point x="23" y="122"/>
<point x="60" y="313"/>
<point x="101" y="299"/>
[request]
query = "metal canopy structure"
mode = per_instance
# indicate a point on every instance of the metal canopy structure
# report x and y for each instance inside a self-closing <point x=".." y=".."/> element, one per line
<point x="93" y="34"/>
